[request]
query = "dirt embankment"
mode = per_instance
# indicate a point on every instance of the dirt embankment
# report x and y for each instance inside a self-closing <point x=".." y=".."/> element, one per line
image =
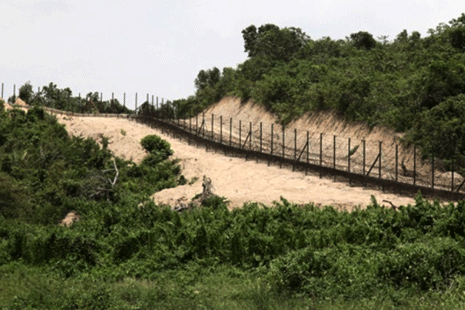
<point x="238" y="180"/>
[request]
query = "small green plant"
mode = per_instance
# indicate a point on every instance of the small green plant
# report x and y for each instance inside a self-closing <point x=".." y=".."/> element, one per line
<point x="123" y="132"/>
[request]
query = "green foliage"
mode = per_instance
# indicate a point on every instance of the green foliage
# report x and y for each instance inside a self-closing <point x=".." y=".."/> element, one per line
<point x="363" y="39"/>
<point x="440" y="130"/>
<point x="391" y="83"/>
<point x="158" y="149"/>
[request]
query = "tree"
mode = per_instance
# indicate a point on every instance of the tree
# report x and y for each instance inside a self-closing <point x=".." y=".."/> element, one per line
<point x="269" y="40"/>
<point x="363" y="40"/>
<point x="26" y="93"/>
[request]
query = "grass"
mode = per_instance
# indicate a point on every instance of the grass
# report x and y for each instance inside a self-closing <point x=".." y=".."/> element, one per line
<point x="23" y="287"/>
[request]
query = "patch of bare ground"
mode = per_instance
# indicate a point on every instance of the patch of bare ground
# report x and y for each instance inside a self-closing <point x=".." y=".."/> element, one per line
<point x="238" y="180"/>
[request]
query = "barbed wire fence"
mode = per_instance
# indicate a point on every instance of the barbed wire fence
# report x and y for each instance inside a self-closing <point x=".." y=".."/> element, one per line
<point x="359" y="162"/>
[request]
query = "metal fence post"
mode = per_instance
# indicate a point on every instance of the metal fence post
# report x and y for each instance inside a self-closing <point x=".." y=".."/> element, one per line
<point x="250" y="139"/>
<point x="261" y="136"/>
<point x="432" y="168"/>
<point x="213" y="118"/>
<point x="414" y="164"/>
<point x="135" y="110"/>
<point x="221" y="129"/>
<point x="2" y="91"/>
<point x="397" y="162"/>
<point x="203" y="123"/>
<point x="348" y="158"/>
<point x="453" y="168"/>
<point x="124" y="99"/>
<point x="364" y="156"/>
<point x="308" y="151"/>
<point x="380" y="156"/>
<point x="230" y="131"/>
<point x="284" y="145"/>
<point x="321" y="153"/>
<point x="334" y="152"/>
<point x="271" y="153"/>
<point x="240" y="133"/>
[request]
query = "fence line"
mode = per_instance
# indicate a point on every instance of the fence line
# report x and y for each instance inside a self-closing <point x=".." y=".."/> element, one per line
<point x="358" y="162"/>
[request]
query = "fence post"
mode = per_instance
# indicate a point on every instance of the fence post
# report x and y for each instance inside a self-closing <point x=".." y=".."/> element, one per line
<point x="397" y="162"/>
<point x="271" y="153"/>
<point x="272" y="136"/>
<point x="432" y="168"/>
<point x="230" y="130"/>
<point x="221" y="129"/>
<point x="364" y="156"/>
<point x="240" y="133"/>
<point x="136" y="105"/>
<point x="321" y="153"/>
<point x="14" y="92"/>
<point x="380" y="156"/>
<point x="334" y="152"/>
<point x="284" y="145"/>
<point x="348" y="160"/>
<point x="250" y="133"/>
<point x="203" y="123"/>
<point x="124" y="99"/>
<point x="2" y="91"/>
<point x="414" y="164"/>
<point x="261" y="136"/>
<point x="308" y="151"/>
<point x="453" y="168"/>
<point x="213" y="118"/>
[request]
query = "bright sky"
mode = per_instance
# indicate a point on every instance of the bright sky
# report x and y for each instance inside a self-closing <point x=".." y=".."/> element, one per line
<point x="158" y="47"/>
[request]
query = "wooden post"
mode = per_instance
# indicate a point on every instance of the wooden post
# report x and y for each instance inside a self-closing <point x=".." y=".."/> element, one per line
<point x="453" y="168"/>
<point x="136" y="105"/>
<point x="124" y="99"/>
<point x="213" y="117"/>
<point x="2" y="90"/>
<point x="261" y="136"/>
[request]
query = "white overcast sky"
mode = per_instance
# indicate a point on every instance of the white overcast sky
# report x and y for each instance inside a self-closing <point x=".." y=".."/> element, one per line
<point x="158" y="47"/>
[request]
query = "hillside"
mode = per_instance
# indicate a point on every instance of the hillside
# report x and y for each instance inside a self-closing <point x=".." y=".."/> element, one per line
<point x="238" y="180"/>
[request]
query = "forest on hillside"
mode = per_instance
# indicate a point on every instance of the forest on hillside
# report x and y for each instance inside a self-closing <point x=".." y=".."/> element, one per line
<point x="411" y="83"/>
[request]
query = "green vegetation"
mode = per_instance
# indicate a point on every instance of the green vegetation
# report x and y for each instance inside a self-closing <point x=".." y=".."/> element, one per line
<point x="403" y="84"/>
<point x="127" y="252"/>
<point x="62" y="99"/>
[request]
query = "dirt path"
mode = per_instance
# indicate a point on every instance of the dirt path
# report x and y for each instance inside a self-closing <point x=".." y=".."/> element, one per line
<point x="238" y="180"/>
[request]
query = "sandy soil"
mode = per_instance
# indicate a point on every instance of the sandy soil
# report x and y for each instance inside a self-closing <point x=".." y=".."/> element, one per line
<point x="238" y="180"/>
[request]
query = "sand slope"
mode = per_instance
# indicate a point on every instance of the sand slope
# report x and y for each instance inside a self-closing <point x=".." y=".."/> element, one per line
<point x="238" y="180"/>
